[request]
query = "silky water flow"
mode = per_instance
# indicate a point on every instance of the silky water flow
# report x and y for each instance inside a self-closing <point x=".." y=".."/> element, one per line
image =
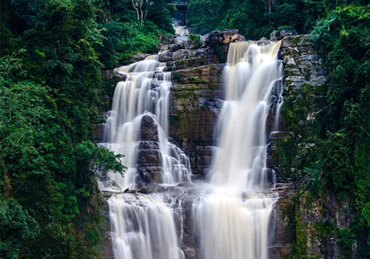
<point x="143" y="226"/>
<point x="232" y="215"/>
<point x="234" y="220"/>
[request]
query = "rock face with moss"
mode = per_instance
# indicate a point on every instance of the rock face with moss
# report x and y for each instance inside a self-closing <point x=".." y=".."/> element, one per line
<point x="303" y="80"/>
<point x="306" y="226"/>
<point x="195" y="105"/>
<point x="311" y="227"/>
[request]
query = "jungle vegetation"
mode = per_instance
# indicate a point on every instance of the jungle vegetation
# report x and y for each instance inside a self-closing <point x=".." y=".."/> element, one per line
<point x="53" y="53"/>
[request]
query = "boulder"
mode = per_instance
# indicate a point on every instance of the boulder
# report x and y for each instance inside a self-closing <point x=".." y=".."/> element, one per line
<point x="182" y="41"/>
<point x="165" y="56"/>
<point x="121" y="76"/>
<point x="183" y="54"/>
<point x="166" y="39"/>
<point x="285" y="33"/>
<point x="224" y="37"/>
<point x="174" y="47"/>
<point x="150" y="158"/>
<point x="139" y="57"/>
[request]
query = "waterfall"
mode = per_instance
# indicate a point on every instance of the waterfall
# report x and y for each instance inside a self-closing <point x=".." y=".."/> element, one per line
<point x="143" y="226"/>
<point x="145" y="92"/>
<point x="234" y="220"/>
<point x="231" y="216"/>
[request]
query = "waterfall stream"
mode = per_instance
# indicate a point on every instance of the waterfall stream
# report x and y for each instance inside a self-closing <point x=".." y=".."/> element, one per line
<point x="234" y="220"/>
<point x="231" y="216"/>
<point x="145" y="92"/>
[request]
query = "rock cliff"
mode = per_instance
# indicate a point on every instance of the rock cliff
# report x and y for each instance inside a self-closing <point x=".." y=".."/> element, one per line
<point x="195" y="104"/>
<point x="304" y="224"/>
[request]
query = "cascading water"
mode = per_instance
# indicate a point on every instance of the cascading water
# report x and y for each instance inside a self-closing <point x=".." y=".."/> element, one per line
<point x="180" y="29"/>
<point x="234" y="220"/>
<point x="145" y="92"/>
<point x="143" y="226"/>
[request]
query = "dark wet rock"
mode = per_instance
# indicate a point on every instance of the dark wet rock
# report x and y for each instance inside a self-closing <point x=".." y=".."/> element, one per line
<point x="150" y="174"/>
<point x="145" y="190"/>
<point x="166" y="39"/>
<point x="298" y="214"/>
<point x="139" y="57"/>
<point x="303" y="73"/>
<point x="184" y="54"/>
<point x="275" y="148"/>
<point x="203" y="39"/>
<point x="174" y="47"/>
<point x="165" y="56"/>
<point x="194" y="108"/>
<point x="106" y="237"/>
<point x="224" y="37"/>
<point x="149" y="159"/>
<point x="285" y="33"/>
<point x="149" y="129"/>
<point x="121" y="76"/>
<point x="98" y="132"/>
<point x="314" y="214"/>
<point x="207" y="76"/>
<point x="198" y="60"/>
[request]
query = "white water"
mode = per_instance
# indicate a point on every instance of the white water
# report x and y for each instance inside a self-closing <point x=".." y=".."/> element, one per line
<point x="143" y="227"/>
<point x="234" y="221"/>
<point x="181" y="30"/>
<point x="145" y="92"/>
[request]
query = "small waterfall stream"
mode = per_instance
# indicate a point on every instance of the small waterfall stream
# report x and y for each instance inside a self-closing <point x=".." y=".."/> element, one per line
<point x="231" y="215"/>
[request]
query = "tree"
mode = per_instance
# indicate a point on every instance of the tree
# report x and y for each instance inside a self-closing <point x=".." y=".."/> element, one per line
<point x="141" y="7"/>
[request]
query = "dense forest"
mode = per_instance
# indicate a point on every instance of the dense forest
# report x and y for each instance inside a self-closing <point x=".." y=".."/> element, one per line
<point x="52" y="83"/>
<point x="53" y="54"/>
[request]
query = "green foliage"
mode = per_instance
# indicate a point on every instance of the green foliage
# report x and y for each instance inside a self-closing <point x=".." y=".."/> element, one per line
<point x="255" y="19"/>
<point x="160" y="14"/>
<point x="247" y="16"/>
<point x="346" y="240"/>
<point x="221" y="53"/>
<point x="330" y="146"/>
<point x="342" y="40"/>
<point x="122" y="39"/>
<point x="194" y="38"/>
<point x="340" y="130"/>
<point x="51" y="88"/>
<point x="17" y="228"/>
<point x="122" y="33"/>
